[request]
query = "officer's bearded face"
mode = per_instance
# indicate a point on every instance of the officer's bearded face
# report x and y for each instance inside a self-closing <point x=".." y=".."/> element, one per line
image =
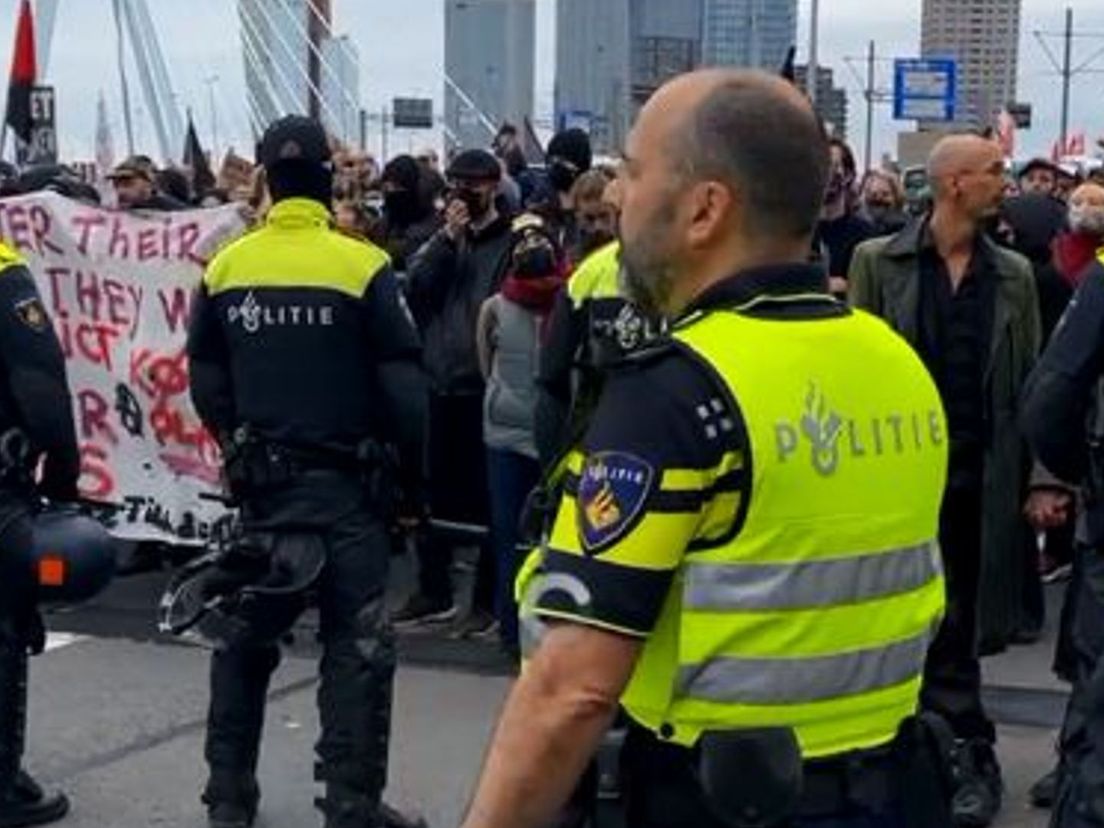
<point x="649" y="209"/>
<point x="647" y="263"/>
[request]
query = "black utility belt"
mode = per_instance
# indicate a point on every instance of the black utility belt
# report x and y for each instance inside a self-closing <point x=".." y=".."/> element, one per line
<point x="267" y="465"/>
<point x="869" y="777"/>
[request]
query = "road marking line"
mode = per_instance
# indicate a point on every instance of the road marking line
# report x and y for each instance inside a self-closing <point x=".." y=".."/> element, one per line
<point x="57" y="640"/>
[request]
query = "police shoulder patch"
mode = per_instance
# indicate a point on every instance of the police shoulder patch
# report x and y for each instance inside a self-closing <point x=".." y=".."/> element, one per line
<point x="613" y="490"/>
<point x="32" y="314"/>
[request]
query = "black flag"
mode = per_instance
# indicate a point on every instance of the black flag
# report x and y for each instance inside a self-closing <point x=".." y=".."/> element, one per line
<point x="788" y="71"/>
<point x="195" y="159"/>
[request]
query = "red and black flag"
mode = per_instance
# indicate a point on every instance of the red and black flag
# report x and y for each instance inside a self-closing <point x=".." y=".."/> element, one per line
<point x="23" y="75"/>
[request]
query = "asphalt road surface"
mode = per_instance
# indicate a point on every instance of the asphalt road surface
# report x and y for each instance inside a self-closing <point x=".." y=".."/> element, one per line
<point x="117" y="721"/>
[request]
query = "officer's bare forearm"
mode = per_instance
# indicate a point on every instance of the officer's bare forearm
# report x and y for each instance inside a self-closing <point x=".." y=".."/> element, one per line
<point x="551" y="727"/>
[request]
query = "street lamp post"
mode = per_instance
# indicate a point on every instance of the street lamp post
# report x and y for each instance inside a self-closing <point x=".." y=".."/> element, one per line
<point x="812" y="74"/>
<point x="211" y="81"/>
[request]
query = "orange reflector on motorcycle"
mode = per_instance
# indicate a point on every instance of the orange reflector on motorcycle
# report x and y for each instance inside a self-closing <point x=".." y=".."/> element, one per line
<point x="51" y="572"/>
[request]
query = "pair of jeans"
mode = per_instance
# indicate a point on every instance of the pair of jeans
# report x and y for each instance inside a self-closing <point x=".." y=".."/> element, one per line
<point x="510" y="478"/>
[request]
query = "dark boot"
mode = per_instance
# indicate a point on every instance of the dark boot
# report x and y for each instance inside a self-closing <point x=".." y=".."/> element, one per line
<point x="1045" y="791"/>
<point x="22" y="801"/>
<point x="978" y="785"/>
<point x="354" y="703"/>
<point x="231" y="799"/>
<point x="393" y="818"/>
<point x="347" y="808"/>
<point x="235" y="720"/>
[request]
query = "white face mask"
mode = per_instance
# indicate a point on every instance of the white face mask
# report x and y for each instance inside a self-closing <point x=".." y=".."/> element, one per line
<point x="1085" y="219"/>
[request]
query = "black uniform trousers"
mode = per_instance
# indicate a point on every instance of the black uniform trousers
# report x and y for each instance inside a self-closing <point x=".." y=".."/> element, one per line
<point x="952" y="675"/>
<point x="358" y="661"/>
<point x="20" y="624"/>
<point x="867" y="790"/>
<point x="1081" y="784"/>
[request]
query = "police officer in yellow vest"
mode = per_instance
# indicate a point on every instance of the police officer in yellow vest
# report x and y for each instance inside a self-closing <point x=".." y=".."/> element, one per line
<point x="744" y="557"/>
<point x="36" y="431"/>
<point x="591" y="329"/>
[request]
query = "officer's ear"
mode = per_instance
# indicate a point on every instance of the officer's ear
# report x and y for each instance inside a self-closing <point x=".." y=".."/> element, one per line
<point x="713" y="209"/>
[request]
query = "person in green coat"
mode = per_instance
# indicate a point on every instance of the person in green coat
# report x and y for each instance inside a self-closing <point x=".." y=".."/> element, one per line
<point x="969" y="308"/>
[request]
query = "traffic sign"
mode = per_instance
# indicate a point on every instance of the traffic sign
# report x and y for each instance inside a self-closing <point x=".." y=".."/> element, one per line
<point x="1021" y="114"/>
<point x="412" y="113"/>
<point x="924" y="90"/>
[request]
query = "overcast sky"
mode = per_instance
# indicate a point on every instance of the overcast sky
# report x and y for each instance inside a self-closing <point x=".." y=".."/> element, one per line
<point x="401" y="44"/>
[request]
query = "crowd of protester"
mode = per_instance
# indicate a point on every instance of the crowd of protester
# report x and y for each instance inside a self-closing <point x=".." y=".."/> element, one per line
<point x="486" y="245"/>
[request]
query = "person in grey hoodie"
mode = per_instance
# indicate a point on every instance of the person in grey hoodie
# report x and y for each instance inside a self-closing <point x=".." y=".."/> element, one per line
<point x="508" y="339"/>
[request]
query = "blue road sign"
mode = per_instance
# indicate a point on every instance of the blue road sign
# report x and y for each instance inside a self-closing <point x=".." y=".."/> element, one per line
<point x="924" y="90"/>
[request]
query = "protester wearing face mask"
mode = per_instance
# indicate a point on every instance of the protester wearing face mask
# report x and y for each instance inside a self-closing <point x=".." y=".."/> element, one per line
<point x="409" y="217"/>
<point x="568" y="156"/>
<point x="841" y="229"/>
<point x="883" y="203"/>
<point x="448" y="281"/>
<point x="509" y="336"/>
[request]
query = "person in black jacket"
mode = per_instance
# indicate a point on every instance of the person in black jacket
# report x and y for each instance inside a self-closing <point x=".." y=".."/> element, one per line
<point x="409" y="216"/>
<point x="1063" y="420"/>
<point x="36" y="422"/>
<point x="447" y="283"/>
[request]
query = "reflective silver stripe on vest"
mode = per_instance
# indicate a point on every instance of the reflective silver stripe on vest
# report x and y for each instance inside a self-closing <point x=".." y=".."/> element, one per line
<point x="826" y="583"/>
<point x="775" y="681"/>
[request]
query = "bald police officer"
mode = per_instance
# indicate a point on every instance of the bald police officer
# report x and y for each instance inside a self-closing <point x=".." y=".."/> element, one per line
<point x="745" y="555"/>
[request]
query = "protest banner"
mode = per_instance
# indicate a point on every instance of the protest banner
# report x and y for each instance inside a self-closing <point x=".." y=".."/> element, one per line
<point x="118" y="287"/>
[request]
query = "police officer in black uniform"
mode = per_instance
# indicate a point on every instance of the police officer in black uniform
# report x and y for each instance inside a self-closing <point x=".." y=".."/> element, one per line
<point x="1063" y="417"/>
<point x="306" y="364"/>
<point x="35" y="421"/>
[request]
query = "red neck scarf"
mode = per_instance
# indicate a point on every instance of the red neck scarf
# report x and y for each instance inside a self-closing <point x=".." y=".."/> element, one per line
<point x="537" y="295"/>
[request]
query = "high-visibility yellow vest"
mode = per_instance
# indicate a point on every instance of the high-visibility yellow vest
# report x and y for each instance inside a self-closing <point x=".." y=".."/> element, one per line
<point x="596" y="277"/>
<point x="818" y="612"/>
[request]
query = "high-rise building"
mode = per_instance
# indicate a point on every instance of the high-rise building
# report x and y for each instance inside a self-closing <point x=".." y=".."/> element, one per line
<point x="831" y="100"/>
<point x="490" y="52"/>
<point x="983" y="36"/>
<point x="593" y="68"/>
<point x="294" y="64"/>
<point x="612" y="55"/>
<point x="755" y="33"/>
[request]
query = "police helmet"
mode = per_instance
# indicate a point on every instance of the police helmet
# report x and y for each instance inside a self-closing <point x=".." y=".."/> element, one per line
<point x="248" y="594"/>
<point x="74" y="556"/>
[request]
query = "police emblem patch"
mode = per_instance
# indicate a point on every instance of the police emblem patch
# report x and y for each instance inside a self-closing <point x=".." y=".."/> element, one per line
<point x="613" y="489"/>
<point x="32" y="314"/>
